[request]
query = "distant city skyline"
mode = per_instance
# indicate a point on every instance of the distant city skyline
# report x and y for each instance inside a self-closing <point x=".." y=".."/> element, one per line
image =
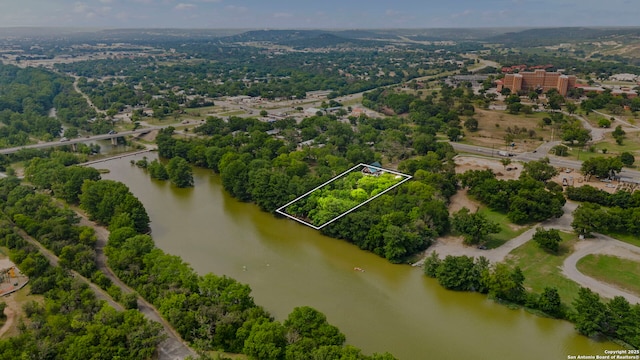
<point x="290" y="14"/>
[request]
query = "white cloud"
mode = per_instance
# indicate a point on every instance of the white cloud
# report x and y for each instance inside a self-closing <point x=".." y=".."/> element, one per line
<point x="210" y="1"/>
<point x="106" y="1"/>
<point x="184" y="6"/>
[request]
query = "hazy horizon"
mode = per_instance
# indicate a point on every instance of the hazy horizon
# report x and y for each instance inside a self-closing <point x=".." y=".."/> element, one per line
<point x="329" y="14"/>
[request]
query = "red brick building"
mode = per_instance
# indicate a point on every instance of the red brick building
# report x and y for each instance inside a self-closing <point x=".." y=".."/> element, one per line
<point x="538" y="80"/>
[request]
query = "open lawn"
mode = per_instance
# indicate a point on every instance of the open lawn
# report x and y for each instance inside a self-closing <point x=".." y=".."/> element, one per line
<point x="508" y="230"/>
<point x="630" y="144"/>
<point x="542" y="269"/>
<point x="493" y="126"/>
<point x="622" y="273"/>
<point x="16" y="302"/>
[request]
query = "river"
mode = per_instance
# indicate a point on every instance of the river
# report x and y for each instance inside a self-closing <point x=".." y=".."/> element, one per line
<point x="387" y="307"/>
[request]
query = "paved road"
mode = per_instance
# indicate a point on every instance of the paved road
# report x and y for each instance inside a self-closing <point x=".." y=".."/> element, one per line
<point x="537" y="155"/>
<point x="78" y="140"/>
<point x="500" y="253"/>
<point x="602" y="244"/>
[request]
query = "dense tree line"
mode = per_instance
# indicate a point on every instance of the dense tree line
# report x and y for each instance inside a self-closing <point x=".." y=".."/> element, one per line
<point x="464" y="273"/>
<point x="50" y="224"/>
<point x="340" y="196"/>
<point x="214" y="312"/>
<point x="616" y="319"/>
<point x="211" y="312"/>
<point x="271" y="171"/>
<point x="26" y="95"/>
<point x="603" y="212"/>
<point x="177" y="170"/>
<point x="587" y="193"/>
<point x="231" y="70"/>
<point x="71" y="322"/>
<point x="524" y="200"/>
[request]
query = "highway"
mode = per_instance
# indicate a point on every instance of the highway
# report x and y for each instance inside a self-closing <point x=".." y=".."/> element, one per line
<point x="539" y="153"/>
<point x="77" y="140"/>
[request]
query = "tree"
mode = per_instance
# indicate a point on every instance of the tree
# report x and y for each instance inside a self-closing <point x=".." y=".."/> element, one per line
<point x="540" y="170"/>
<point x="506" y="283"/>
<point x="589" y="217"/>
<point x="560" y="150"/>
<point x="627" y="159"/>
<point x="547" y="239"/>
<point x="454" y="133"/>
<point x="474" y="227"/>
<point x="309" y="327"/>
<point x="505" y="162"/>
<point x="265" y="341"/>
<point x="550" y="302"/>
<point x="618" y="134"/>
<point x="180" y="172"/>
<point x="601" y="167"/>
<point x="604" y="123"/>
<point x="591" y="313"/>
<point x="157" y="170"/>
<point x="431" y="264"/>
<point x="471" y="124"/>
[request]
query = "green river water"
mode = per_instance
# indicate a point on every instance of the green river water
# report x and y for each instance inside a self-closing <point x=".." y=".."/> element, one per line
<point x="387" y="307"/>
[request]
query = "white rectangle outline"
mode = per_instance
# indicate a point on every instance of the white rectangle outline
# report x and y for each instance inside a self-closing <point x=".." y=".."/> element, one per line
<point x="407" y="178"/>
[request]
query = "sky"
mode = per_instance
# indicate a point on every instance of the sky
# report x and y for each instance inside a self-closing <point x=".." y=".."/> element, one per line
<point x="340" y="14"/>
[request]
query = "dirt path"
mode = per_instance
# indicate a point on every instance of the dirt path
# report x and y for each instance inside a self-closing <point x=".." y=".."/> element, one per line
<point x="53" y="260"/>
<point x="171" y="348"/>
<point x="10" y="312"/>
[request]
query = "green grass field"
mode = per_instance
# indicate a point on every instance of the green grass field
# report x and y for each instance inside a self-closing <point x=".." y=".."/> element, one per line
<point x="630" y="144"/>
<point x="508" y="230"/>
<point x="542" y="269"/>
<point x="622" y="273"/>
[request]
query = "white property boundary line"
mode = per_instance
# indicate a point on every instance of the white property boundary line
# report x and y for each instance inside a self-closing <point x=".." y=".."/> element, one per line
<point x="280" y="209"/>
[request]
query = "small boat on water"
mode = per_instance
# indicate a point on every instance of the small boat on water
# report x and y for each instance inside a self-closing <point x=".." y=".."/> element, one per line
<point x="358" y="269"/>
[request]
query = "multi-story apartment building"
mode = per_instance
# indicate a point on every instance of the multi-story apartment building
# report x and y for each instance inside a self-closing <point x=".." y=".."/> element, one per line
<point x="539" y="80"/>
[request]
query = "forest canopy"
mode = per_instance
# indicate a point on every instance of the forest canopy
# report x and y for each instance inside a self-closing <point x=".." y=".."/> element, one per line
<point x="362" y="184"/>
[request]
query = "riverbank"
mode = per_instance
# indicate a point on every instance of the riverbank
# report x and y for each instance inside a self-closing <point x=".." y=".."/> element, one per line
<point x="388" y="307"/>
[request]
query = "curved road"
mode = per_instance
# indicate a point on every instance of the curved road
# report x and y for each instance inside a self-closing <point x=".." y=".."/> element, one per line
<point x="602" y="244"/>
